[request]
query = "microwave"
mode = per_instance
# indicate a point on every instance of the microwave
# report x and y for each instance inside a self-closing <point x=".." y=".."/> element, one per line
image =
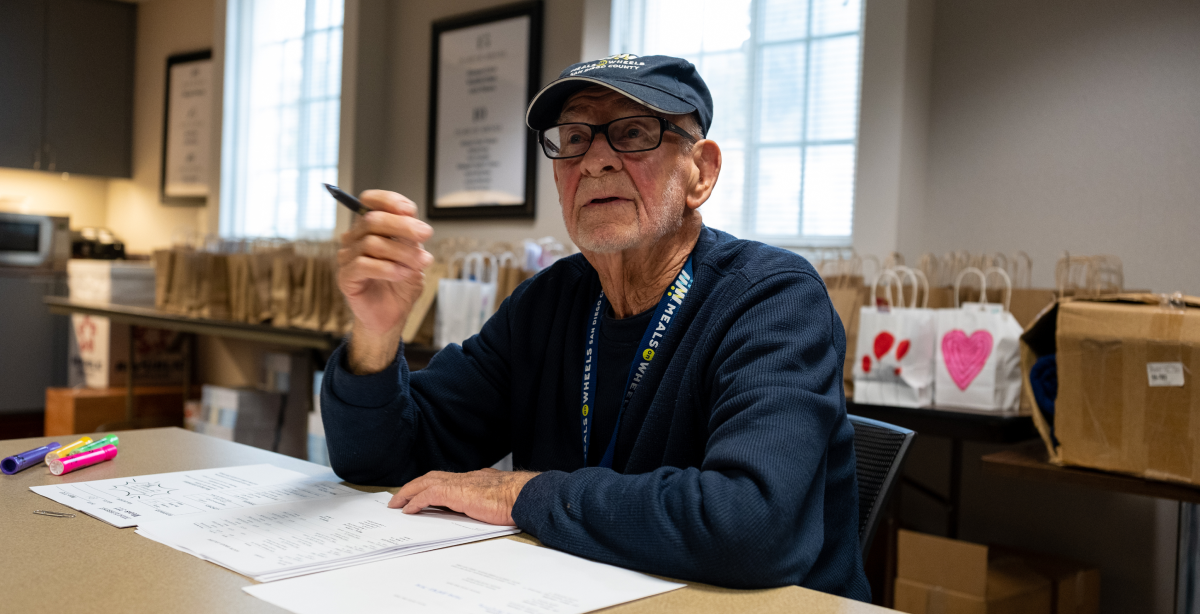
<point x="40" y="242"/>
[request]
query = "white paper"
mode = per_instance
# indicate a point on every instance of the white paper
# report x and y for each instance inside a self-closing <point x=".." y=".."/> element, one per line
<point x="188" y="129"/>
<point x="499" y="577"/>
<point x="128" y="502"/>
<point x="483" y="75"/>
<point x="284" y="540"/>
<point x="1165" y="374"/>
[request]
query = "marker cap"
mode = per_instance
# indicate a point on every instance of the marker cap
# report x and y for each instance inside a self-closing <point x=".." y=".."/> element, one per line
<point x="107" y="440"/>
<point x="60" y="466"/>
<point x="68" y="449"/>
<point x="25" y="460"/>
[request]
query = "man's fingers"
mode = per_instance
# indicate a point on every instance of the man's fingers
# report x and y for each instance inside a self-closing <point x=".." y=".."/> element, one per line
<point x="391" y="202"/>
<point x="399" y="228"/>
<point x="418" y="502"/>
<point x="363" y="269"/>
<point x="398" y="500"/>
<point x="411" y="489"/>
<point x="406" y="254"/>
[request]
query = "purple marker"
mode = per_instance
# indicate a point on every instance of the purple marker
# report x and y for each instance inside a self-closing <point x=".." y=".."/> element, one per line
<point x="25" y="460"/>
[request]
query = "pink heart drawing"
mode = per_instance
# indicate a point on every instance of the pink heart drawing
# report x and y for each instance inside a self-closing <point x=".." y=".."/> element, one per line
<point x="965" y="356"/>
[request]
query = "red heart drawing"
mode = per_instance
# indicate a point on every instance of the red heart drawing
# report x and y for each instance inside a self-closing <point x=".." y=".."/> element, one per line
<point x="866" y="364"/>
<point x="965" y="356"/>
<point x="883" y="343"/>
<point x="902" y="349"/>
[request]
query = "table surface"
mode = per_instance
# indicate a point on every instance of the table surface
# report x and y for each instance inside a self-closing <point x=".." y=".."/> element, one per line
<point x="55" y="564"/>
<point x="1031" y="462"/>
<point x="952" y="422"/>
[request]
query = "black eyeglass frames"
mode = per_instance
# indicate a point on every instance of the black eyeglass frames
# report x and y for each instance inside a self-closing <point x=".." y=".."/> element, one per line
<point x="625" y="135"/>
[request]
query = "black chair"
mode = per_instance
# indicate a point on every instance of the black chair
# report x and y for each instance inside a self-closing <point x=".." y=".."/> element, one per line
<point x="880" y="448"/>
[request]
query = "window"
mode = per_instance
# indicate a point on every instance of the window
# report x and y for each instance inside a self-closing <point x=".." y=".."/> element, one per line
<point x="784" y="76"/>
<point x="282" y="111"/>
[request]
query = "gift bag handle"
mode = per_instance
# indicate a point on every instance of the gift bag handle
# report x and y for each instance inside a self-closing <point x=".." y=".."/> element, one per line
<point x="1024" y="276"/>
<point x="1008" y="289"/>
<point x="982" y="284"/>
<point x="874" y="287"/>
<point x="918" y="279"/>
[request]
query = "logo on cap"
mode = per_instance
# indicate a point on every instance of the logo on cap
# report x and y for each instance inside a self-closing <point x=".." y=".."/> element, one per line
<point x="621" y="60"/>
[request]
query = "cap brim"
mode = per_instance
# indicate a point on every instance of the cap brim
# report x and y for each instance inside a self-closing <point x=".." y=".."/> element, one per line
<point x="543" y="112"/>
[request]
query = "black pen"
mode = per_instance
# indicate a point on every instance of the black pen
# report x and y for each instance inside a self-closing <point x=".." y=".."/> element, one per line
<point x="349" y="201"/>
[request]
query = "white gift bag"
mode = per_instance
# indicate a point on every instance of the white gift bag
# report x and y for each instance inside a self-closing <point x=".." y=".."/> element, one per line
<point x="894" y="355"/>
<point x="457" y="311"/>
<point x="978" y="362"/>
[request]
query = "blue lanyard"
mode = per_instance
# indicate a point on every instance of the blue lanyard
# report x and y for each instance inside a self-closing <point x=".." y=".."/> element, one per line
<point x="647" y="352"/>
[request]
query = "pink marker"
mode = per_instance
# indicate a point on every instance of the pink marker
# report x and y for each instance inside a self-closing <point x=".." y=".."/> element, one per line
<point x="59" y="466"/>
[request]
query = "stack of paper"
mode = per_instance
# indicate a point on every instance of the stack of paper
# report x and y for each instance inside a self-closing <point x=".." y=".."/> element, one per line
<point x="272" y="542"/>
<point x="128" y="502"/>
<point x="501" y="577"/>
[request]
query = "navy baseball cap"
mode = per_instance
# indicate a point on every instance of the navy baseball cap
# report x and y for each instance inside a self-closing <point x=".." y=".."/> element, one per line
<point x="662" y="83"/>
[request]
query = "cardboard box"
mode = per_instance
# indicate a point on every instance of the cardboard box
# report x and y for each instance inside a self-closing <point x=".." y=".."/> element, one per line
<point x="84" y="410"/>
<point x="98" y="350"/>
<point x="1074" y="587"/>
<point x="936" y="575"/>
<point x="1127" y="400"/>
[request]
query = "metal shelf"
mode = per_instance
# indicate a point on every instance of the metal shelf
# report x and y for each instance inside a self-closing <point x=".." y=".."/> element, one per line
<point x="150" y="317"/>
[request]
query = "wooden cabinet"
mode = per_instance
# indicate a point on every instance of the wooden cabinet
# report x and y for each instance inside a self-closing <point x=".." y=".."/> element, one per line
<point x="66" y="85"/>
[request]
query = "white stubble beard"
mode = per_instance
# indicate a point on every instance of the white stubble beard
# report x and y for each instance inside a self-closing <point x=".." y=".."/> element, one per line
<point x="661" y="226"/>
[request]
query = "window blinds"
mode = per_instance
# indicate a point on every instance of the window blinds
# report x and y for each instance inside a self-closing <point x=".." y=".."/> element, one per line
<point x="286" y="69"/>
<point x="784" y="76"/>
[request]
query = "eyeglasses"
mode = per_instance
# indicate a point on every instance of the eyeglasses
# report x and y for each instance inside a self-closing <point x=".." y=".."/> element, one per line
<point x="625" y="135"/>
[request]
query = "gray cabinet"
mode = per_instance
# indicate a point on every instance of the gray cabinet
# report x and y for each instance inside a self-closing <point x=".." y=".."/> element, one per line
<point x="22" y="47"/>
<point x="66" y="85"/>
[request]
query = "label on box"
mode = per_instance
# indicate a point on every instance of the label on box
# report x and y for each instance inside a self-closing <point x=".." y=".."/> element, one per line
<point x="1165" y="374"/>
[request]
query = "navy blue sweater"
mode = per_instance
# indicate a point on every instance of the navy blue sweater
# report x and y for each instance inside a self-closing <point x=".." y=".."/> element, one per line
<point x="734" y="461"/>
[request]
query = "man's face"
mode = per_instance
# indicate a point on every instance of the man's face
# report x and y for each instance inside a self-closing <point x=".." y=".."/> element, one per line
<point x="616" y="201"/>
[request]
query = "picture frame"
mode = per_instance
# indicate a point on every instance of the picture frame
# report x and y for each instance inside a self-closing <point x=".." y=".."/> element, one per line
<point x="486" y="68"/>
<point x="187" y="129"/>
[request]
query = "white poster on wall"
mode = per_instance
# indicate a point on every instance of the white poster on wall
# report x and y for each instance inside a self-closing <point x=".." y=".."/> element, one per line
<point x="483" y="84"/>
<point x="189" y="108"/>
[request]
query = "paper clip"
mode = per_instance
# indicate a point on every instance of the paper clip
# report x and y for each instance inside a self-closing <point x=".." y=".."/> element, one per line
<point x="54" y="514"/>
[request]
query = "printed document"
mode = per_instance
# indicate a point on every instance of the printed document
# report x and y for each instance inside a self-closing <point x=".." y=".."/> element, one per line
<point x="128" y="502"/>
<point x="272" y="542"/>
<point x="499" y="577"/>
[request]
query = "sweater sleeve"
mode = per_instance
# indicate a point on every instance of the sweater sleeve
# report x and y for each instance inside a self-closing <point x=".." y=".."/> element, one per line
<point x="752" y="515"/>
<point x="390" y="427"/>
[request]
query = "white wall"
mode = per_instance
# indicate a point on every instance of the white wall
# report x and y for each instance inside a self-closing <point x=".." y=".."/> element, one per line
<point x="889" y="191"/>
<point x="83" y="198"/>
<point x="135" y="213"/>
<point x="1060" y="125"/>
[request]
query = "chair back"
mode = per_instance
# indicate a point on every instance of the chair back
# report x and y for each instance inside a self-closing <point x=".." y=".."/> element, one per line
<point x="880" y="449"/>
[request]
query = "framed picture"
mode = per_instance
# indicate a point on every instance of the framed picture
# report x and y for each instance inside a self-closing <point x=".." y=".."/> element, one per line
<point x="187" y="129"/>
<point x="482" y="157"/>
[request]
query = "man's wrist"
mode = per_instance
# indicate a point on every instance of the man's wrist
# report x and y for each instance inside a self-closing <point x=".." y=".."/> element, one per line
<point x="368" y="352"/>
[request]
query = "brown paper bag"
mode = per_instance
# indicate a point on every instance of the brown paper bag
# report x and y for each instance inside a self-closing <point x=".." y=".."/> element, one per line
<point x="237" y="298"/>
<point x="281" y="289"/>
<point x="213" y="301"/>
<point x="164" y="260"/>
<point x="262" y="266"/>
<point x="422" y="308"/>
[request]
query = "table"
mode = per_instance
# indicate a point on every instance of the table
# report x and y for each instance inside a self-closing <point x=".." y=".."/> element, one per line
<point x="57" y="564"/>
<point x="1031" y="462"/>
<point x="958" y="425"/>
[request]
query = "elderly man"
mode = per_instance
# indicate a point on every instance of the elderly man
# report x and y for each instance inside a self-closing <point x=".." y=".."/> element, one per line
<point x="672" y="396"/>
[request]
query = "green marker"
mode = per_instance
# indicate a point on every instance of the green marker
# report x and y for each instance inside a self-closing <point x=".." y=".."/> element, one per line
<point x="107" y="440"/>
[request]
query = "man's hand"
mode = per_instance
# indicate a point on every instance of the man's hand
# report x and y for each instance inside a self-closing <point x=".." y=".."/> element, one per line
<point x="486" y="495"/>
<point x="381" y="271"/>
